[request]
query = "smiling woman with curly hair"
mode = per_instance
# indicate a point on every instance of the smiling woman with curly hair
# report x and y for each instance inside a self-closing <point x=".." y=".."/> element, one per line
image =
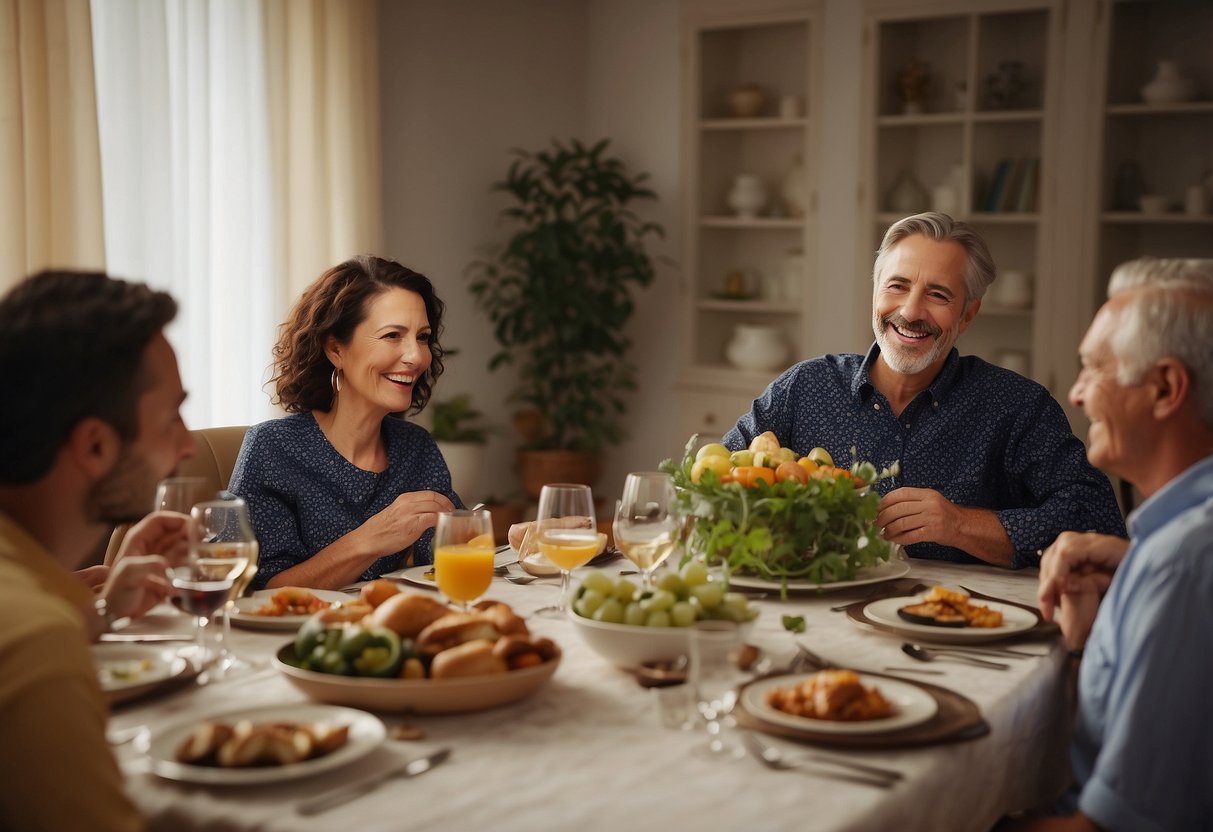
<point x="341" y="489"/>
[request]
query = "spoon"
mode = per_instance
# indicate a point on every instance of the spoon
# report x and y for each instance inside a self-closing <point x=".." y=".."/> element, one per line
<point x="773" y="758"/>
<point x="915" y="651"/>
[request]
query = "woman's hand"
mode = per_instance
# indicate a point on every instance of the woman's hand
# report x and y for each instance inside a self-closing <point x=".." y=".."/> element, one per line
<point x="399" y="525"/>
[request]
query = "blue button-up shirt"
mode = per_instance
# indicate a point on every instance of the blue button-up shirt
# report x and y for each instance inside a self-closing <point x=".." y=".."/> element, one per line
<point x="982" y="436"/>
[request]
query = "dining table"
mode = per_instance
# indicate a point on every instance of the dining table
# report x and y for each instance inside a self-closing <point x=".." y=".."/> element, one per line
<point x="589" y="749"/>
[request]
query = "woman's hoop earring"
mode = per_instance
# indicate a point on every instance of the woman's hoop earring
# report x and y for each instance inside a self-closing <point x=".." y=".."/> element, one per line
<point x="335" y="381"/>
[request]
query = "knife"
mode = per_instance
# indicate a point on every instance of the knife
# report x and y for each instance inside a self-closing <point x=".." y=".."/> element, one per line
<point x="129" y="637"/>
<point x="344" y="794"/>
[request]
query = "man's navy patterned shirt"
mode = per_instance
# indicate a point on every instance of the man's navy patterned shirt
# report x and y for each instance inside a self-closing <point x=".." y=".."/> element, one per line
<point x="982" y="436"/>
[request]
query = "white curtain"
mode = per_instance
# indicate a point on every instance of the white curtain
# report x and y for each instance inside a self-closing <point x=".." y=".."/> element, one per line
<point x="50" y="175"/>
<point x="204" y="192"/>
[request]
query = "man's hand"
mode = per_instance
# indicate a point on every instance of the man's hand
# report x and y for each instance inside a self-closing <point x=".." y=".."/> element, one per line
<point x="917" y="515"/>
<point x="94" y="577"/>
<point x="136" y="584"/>
<point x="164" y="533"/>
<point x="1074" y="557"/>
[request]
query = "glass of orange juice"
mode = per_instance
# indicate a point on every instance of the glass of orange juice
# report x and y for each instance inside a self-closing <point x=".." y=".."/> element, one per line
<point x="565" y="531"/>
<point x="463" y="554"/>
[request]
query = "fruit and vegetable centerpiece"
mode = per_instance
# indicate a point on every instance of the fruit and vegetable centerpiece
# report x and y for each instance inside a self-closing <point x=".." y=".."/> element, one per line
<point x="771" y="513"/>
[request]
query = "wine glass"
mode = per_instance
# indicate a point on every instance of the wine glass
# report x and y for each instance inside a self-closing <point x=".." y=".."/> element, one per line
<point x="565" y="532"/>
<point x="223" y="546"/>
<point x="181" y="494"/>
<point x="201" y="592"/>
<point x="463" y="555"/>
<point x="715" y="675"/>
<point x="646" y="527"/>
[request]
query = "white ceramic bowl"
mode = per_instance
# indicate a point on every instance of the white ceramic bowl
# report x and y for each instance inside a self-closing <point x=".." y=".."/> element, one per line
<point x="630" y="646"/>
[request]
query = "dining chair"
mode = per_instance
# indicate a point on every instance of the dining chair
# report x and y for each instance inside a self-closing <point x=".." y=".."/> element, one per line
<point x="215" y="452"/>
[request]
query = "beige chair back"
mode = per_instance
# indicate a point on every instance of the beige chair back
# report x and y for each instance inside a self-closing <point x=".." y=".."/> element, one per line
<point x="215" y="452"/>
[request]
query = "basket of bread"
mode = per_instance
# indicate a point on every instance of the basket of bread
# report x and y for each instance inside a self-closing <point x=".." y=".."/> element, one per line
<point x="401" y="651"/>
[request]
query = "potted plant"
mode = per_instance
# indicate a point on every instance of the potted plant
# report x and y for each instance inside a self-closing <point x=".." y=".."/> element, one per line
<point x="558" y="292"/>
<point x="461" y="439"/>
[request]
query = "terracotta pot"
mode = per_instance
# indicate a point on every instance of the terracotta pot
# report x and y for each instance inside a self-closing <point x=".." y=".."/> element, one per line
<point x="538" y="468"/>
<point x="529" y="424"/>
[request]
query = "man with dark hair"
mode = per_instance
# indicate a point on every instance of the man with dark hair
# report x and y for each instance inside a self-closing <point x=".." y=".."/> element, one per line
<point x="989" y="468"/>
<point x="90" y="424"/>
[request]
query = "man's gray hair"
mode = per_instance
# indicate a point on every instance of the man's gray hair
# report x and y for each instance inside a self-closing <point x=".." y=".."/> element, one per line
<point x="979" y="265"/>
<point x="1150" y="270"/>
<point x="1170" y="314"/>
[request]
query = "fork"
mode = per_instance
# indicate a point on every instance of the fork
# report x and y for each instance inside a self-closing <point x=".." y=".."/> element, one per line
<point x="864" y="775"/>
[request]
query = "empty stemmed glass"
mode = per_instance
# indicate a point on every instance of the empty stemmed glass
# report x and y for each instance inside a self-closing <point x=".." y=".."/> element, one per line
<point x="463" y="554"/>
<point x="223" y="547"/>
<point x="646" y="526"/>
<point x="181" y="494"/>
<point x="715" y="676"/>
<point x="565" y="532"/>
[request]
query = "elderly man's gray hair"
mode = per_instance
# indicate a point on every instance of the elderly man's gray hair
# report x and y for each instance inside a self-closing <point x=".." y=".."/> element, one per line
<point x="1143" y="270"/>
<point x="979" y="265"/>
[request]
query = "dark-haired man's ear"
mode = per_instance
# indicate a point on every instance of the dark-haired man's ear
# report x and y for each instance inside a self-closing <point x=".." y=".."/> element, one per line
<point x="1172" y="385"/>
<point x="94" y="446"/>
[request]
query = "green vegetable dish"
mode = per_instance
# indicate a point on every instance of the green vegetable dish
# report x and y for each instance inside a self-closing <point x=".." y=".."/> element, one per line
<point x="822" y="531"/>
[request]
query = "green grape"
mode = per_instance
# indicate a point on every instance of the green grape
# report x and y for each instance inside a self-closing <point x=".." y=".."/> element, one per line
<point x="736" y="600"/>
<point x="624" y="590"/>
<point x="682" y="614"/>
<point x="694" y="573"/>
<point x="589" y="601"/>
<point x="710" y="595"/>
<point x="660" y="618"/>
<point x="658" y="601"/>
<point x="672" y="582"/>
<point x="596" y="580"/>
<point x="633" y="614"/>
<point x="611" y="611"/>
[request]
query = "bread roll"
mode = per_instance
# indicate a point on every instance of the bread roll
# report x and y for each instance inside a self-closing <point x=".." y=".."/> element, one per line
<point x="203" y="743"/>
<point x="503" y="617"/>
<point x="473" y="658"/>
<point x="407" y="614"/>
<point x="453" y="630"/>
<point x="379" y="590"/>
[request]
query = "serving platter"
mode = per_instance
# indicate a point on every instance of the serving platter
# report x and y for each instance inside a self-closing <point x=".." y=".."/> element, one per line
<point x="423" y="696"/>
<point x="243" y="616"/>
<point x="890" y="570"/>
<point x="366" y="734"/>
<point x="912" y="706"/>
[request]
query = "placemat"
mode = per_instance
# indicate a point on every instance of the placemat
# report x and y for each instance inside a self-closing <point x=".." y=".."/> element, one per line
<point x="958" y="719"/>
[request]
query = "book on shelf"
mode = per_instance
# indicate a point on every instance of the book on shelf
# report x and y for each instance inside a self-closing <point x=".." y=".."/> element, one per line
<point x="998" y="186"/>
<point x="1025" y="200"/>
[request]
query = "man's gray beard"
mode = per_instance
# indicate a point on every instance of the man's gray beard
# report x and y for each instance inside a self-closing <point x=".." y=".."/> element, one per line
<point x="904" y="365"/>
<point x="125" y="494"/>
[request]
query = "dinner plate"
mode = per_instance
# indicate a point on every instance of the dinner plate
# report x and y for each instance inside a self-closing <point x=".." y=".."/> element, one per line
<point x="424" y="696"/>
<point x="890" y="570"/>
<point x="366" y="734"/>
<point x="243" y="615"/>
<point x="912" y="704"/>
<point x="422" y="576"/>
<point x="884" y="613"/>
<point x="129" y="670"/>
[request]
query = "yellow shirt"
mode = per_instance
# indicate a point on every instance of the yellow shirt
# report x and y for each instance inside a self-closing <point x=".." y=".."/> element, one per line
<point x="56" y="768"/>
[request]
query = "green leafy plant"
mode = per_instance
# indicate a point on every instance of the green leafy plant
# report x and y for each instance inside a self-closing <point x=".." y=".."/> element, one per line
<point x="558" y="291"/>
<point x="821" y="531"/>
<point x="454" y="420"/>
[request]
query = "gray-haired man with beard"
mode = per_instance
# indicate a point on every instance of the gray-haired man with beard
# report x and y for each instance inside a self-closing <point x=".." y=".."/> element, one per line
<point x="990" y="470"/>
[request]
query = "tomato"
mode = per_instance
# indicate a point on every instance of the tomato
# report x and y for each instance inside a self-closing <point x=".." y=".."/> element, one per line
<point x="834" y="473"/>
<point x="749" y="475"/>
<point x="791" y="471"/>
<point x="808" y="464"/>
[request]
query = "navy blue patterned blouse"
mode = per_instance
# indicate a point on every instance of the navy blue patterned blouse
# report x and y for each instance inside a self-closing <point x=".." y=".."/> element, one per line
<point x="303" y="495"/>
<point x="982" y="436"/>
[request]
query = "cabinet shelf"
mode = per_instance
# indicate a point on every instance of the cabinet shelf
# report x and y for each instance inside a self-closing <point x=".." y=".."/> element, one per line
<point x="766" y="307"/>
<point x="921" y="119"/>
<point x="1007" y="116"/>
<point x="777" y="223"/>
<point x="762" y="123"/>
<point x="1138" y="218"/>
<point x="1150" y="110"/>
<point x="887" y="218"/>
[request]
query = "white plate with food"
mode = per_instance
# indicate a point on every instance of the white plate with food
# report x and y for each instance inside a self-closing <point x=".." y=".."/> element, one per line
<point x="283" y="609"/>
<point x="911" y="705"/>
<point x="890" y="570"/>
<point x="126" y="670"/>
<point x="365" y="734"/>
<point x="886" y="613"/>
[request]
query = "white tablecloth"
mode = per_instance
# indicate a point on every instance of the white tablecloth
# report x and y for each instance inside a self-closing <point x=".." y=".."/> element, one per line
<point x="586" y="752"/>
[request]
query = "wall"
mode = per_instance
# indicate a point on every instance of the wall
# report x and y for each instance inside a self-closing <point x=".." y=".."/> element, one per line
<point x="464" y="81"/>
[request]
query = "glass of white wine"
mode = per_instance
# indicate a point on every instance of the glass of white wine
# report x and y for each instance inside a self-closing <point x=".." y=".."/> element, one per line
<point x="223" y="547"/>
<point x="646" y="525"/>
<point x="565" y="532"/>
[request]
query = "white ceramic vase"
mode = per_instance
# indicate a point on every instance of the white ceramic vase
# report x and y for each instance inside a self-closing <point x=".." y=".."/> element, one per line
<point x="756" y="347"/>
<point x="748" y="196"/>
<point x="1168" y="86"/>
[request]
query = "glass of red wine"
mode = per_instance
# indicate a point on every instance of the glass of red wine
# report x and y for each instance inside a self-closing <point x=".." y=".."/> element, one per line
<point x="202" y="592"/>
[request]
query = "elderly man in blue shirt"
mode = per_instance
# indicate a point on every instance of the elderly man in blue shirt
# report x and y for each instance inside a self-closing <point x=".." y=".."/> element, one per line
<point x="1143" y="743"/>
<point x="989" y="468"/>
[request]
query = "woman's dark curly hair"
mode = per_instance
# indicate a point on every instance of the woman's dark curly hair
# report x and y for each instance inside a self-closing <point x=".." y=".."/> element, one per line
<point x="334" y="305"/>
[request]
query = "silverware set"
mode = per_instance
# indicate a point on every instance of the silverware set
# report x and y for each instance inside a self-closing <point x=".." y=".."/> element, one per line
<point x="817" y="764"/>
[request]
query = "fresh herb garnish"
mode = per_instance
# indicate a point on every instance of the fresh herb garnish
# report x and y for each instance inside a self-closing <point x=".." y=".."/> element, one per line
<point x="793" y="623"/>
